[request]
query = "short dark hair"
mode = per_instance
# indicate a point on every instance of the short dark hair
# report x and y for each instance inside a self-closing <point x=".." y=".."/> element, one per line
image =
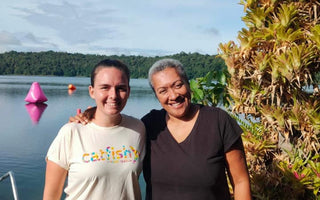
<point x="110" y="63"/>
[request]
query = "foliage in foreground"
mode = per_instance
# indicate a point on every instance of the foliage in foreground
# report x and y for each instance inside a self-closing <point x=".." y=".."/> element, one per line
<point x="274" y="95"/>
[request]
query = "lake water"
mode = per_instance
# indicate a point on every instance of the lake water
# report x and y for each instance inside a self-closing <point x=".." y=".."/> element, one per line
<point x="24" y="140"/>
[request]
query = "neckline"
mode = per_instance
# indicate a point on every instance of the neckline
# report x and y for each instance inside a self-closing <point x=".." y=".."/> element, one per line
<point x="116" y="124"/>
<point x="191" y="132"/>
<point x="122" y="120"/>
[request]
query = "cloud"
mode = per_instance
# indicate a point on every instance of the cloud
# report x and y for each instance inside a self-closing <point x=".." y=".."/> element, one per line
<point x="8" y="41"/>
<point x="31" y="40"/>
<point x="72" y="23"/>
<point x="212" y="31"/>
<point x="24" y="42"/>
<point x="128" y="51"/>
<point x="131" y="27"/>
<point x="7" y="38"/>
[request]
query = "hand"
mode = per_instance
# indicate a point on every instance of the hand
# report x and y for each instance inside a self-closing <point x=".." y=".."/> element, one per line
<point x="79" y="118"/>
<point x="84" y="117"/>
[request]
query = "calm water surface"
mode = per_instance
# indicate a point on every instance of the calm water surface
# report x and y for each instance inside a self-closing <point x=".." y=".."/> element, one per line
<point x="24" y="141"/>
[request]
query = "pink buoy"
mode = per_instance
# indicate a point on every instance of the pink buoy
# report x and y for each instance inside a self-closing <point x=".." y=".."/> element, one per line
<point x="35" y="94"/>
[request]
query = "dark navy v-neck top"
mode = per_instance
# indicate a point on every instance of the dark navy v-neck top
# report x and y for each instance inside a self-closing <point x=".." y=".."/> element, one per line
<point x="195" y="168"/>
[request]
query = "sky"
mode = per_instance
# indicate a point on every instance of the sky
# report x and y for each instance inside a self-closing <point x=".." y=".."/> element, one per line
<point x="116" y="27"/>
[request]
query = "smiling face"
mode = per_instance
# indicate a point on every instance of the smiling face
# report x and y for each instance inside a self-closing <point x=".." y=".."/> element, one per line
<point x="110" y="91"/>
<point x="172" y="92"/>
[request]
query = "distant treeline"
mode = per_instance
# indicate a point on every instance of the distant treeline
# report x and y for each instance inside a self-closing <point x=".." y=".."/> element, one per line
<point x="75" y="64"/>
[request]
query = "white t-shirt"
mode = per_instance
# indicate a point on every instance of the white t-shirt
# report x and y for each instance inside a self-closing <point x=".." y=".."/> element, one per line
<point x="102" y="162"/>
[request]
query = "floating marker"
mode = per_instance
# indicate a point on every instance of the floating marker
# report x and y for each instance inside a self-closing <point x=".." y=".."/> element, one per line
<point x="35" y="94"/>
<point x="71" y="87"/>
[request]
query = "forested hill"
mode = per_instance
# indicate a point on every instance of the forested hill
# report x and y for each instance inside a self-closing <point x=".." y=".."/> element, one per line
<point x="67" y="64"/>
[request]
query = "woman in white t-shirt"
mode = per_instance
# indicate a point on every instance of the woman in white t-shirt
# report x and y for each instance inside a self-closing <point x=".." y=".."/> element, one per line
<point x="103" y="159"/>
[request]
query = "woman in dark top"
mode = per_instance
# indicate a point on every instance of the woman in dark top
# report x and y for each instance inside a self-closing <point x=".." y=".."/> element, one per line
<point x="190" y="148"/>
<point x="195" y="167"/>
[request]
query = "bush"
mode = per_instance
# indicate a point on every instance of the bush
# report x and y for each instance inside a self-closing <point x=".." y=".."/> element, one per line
<point x="273" y="85"/>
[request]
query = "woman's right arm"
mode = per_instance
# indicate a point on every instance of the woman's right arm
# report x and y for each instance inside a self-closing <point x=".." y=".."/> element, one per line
<point x="54" y="183"/>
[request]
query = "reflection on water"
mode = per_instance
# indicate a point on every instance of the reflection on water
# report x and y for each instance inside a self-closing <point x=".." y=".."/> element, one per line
<point x="27" y="130"/>
<point x="35" y="111"/>
<point x="70" y="92"/>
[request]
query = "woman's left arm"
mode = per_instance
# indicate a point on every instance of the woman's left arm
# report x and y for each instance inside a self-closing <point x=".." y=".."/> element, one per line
<point x="54" y="181"/>
<point x="238" y="173"/>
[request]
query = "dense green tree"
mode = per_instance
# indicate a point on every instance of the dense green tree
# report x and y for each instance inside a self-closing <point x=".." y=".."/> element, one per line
<point x="67" y="64"/>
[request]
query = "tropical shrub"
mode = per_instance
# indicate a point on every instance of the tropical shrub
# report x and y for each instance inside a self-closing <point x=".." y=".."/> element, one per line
<point x="274" y="94"/>
<point x="211" y="89"/>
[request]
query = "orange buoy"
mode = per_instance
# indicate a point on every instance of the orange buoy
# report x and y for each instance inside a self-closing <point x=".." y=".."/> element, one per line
<point x="71" y="87"/>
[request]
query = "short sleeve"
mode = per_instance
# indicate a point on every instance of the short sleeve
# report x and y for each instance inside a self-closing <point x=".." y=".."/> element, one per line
<point x="230" y="130"/>
<point x="58" y="151"/>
